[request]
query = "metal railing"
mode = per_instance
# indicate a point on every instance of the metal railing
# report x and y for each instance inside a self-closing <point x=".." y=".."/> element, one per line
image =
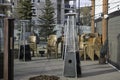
<point x="4" y="2"/>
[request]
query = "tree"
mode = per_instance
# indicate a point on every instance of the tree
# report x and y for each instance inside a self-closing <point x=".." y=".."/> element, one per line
<point x="85" y="12"/>
<point x="24" y="9"/>
<point x="47" y="19"/>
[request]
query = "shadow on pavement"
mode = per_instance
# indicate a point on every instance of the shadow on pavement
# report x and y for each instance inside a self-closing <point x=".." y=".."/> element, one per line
<point x="94" y="70"/>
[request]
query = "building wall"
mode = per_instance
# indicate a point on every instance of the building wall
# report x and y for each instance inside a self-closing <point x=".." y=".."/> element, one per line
<point x="99" y="27"/>
<point x="5" y="7"/>
<point x="113" y="37"/>
<point x="84" y="29"/>
<point x="59" y="6"/>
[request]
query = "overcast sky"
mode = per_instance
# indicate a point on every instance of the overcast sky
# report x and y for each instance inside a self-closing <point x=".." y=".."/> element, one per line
<point x="85" y="3"/>
<point x="114" y="5"/>
<point x="82" y="3"/>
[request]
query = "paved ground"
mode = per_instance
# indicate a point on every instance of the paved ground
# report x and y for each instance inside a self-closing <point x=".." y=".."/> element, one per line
<point x="91" y="70"/>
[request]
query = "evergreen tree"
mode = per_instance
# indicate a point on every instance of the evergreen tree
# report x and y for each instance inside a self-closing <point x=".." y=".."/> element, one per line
<point x="24" y="9"/>
<point x="85" y="11"/>
<point x="47" y="19"/>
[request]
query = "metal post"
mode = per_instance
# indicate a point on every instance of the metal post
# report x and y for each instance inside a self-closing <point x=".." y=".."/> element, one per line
<point x="74" y="3"/>
<point x="24" y="40"/>
<point x="79" y="17"/>
<point x="62" y="11"/>
<point x="8" y="48"/>
<point x="21" y="29"/>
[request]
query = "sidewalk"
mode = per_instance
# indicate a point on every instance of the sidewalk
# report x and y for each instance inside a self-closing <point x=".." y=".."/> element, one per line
<point x="91" y="70"/>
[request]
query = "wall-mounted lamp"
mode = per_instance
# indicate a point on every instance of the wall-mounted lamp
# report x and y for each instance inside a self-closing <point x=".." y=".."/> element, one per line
<point x="106" y="16"/>
<point x="101" y="15"/>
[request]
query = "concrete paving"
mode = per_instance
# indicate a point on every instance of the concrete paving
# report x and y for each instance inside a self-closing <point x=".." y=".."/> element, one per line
<point x="91" y="70"/>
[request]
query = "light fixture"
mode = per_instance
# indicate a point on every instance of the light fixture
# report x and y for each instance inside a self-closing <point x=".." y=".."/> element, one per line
<point x="106" y="16"/>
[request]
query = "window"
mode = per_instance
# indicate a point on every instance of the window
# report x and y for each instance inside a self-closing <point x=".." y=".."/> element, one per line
<point x="33" y="1"/>
<point x="1" y="1"/>
<point x="34" y="11"/>
<point x="38" y="1"/>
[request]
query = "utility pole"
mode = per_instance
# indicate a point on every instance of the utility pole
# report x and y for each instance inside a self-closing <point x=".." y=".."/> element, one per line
<point x="105" y="20"/>
<point x="92" y="16"/>
<point x="104" y="31"/>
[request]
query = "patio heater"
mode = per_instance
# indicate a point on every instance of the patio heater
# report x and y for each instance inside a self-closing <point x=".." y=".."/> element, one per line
<point x="24" y="48"/>
<point x="71" y="59"/>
